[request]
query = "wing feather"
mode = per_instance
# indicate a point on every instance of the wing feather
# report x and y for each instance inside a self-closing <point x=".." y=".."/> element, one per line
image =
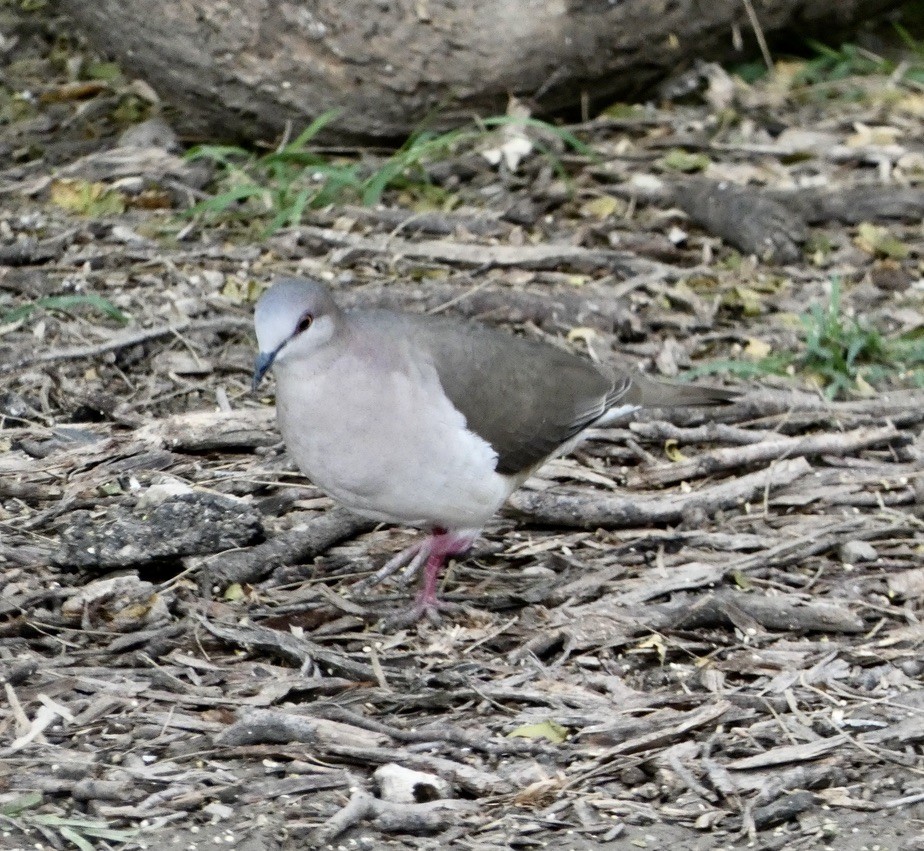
<point x="526" y="399"/>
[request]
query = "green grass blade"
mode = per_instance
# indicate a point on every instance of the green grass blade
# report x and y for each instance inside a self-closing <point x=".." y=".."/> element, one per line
<point x="65" y="303"/>
<point x="24" y="802"/>
<point x="223" y="155"/>
<point x="563" y="133"/>
<point x="314" y="128"/>
<point x="75" y="838"/>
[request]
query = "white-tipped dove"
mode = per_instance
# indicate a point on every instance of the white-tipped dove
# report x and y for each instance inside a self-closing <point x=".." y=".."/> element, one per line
<point x="427" y="421"/>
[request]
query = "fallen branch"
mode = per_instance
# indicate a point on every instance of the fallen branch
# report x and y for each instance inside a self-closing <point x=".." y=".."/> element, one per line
<point x="858" y="528"/>
<point x="708" y="433"/>
<point x="743" y="217"/>
<point x="793" y="411"/>
<point x="293" y="547"/>
<point x="471" y="779"/>
<point x="307" y="654"/>
<point x="781" y="612"/>
<point x="478" y="740"/>
<point x="282" y="727"/>
<point x="543" y="256"/>
<point x="730" y="458"/>
<point x="594" y="510"/>
<point x="415" y="819"/>
<point x="703" y="716"/>
<point x="124" y="341"/>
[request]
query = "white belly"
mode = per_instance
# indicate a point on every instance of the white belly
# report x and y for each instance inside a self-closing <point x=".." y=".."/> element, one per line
<point x="388" y="444"/>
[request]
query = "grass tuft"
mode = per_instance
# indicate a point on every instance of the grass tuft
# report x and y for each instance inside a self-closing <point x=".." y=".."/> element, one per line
<point x="827" y="64"/>
<point x="66" y="303"/>
<point x="79" y="831"/>
<point x="277" y="188"/>
<point x="844" y="355"/>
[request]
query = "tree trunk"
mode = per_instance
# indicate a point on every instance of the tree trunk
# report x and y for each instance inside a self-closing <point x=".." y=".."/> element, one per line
<point x="242" y="70"/>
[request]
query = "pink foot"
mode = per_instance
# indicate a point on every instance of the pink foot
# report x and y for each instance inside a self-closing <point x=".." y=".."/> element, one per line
<point x="440" y="546"/>
<point x="412" y="556"/>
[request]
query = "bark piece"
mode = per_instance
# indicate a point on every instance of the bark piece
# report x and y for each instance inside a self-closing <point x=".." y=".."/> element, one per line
<point x="745" y="218"/>
<point x="854" y="204"/>
<point x="608" y="512"/>
<point x="293" y="547"/>
<point x="415" y="819"/>
<point x="121" y="603"/>
<point x="789" y="753"/>
<point x="210" y="431"/>
<point x="784" y="809"/>
<point x="405" y="786"/>
<point x="197" y="523"/>
<point x="718" y="460"/>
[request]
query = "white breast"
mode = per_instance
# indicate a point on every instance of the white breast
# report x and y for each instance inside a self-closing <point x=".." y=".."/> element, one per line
<point x="383" y="439"/>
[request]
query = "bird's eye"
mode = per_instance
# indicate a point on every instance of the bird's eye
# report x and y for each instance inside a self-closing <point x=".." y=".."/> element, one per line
<point x="304" y="323"/>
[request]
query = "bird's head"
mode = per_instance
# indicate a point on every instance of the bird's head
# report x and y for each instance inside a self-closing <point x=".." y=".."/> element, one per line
<point x="293" y="318"/>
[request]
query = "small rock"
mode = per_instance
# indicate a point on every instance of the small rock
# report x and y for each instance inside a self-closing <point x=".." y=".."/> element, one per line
<point x="124" y="234"/>
<point x="539" y="571"/>
<point x="160" y="492"/>
<point x="153" y="133"/>
<point x="195" y="523"/>
<point x="122" y="603"/>
<point x="891" y="276"/>
<point x="405" y="786"/>
<point x="181" y="363"/>
<point x="855" y="552"/>
<point x="220" y="812"/>
<point x="911" y="667"/>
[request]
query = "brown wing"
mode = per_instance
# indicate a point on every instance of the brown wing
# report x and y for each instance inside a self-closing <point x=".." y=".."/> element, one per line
<point x="524" y="398"/>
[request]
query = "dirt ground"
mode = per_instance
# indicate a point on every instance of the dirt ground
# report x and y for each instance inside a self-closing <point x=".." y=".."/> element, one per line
<point x="700" y="631"/>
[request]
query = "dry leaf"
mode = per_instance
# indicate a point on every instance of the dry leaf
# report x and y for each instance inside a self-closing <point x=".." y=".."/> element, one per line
<point x="878" y="241"/>
<point x="873" y="135"/>
<point x="602" y="207"/>
<point x="653" y="642"/>
<point x="757" y="349"/>
<point x="680" y="160"/>
<point x="582" y="334"/>
<point x="86" y="199"/>
<point x="746" y="299"/>
<point x="549" y="730"/>
<point x="515" y="145"/>
<point x="241" y="292"/>
<point x="539" y="793"/>
<point x="672" y="451"/>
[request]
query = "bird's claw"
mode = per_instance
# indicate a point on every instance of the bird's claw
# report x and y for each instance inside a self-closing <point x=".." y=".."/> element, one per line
<point x="431" y="610"/>
<point x="413" y="556"/>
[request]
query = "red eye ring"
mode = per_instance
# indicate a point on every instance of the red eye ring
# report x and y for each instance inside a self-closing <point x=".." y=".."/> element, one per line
<point x="304" y="323"/>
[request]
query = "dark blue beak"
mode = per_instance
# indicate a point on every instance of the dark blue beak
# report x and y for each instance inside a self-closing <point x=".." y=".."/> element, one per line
<point x="262" y="364"/>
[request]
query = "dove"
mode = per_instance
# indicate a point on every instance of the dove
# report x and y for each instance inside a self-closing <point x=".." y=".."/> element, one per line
<point x="427" y="421"/>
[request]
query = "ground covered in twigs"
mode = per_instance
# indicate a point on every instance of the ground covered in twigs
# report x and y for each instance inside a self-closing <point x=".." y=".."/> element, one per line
<point x="701" y="632"/>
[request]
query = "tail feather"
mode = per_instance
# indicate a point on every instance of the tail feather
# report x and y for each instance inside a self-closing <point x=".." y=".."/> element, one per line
<point x="648" y="393"/>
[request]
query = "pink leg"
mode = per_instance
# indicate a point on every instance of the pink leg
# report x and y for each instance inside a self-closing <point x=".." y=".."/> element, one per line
<point x="443" y="545"/>
<point x="411" y="556"/>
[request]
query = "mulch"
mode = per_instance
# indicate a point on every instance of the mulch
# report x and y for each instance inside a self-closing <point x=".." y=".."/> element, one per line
<point x="702" y="629"/>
